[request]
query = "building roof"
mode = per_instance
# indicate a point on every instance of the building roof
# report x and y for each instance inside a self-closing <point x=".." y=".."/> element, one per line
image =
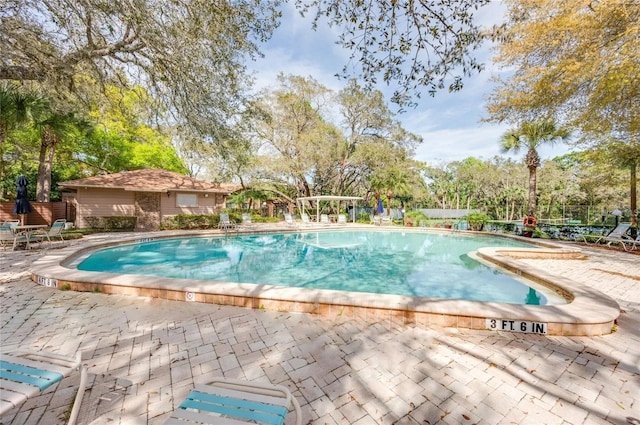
<point x="150" y="180"/>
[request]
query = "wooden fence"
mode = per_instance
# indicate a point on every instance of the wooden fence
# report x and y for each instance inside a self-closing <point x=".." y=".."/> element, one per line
<point x="43" y="212"/>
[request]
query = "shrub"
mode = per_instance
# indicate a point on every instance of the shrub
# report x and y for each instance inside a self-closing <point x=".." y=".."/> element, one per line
<point x="190" y="222"/>
<point x="112" y="223"/>
<point x="415" y="218"/>
<point x="477" y="220"/>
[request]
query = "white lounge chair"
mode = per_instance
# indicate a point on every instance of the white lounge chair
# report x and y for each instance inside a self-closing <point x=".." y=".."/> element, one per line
<point x="231" y="401"/>
<point x="11" y="223"/>
<point x="615" y="234"/>
<point x="24" y="374"/>
<point x="288" y="219"/>
<point x="306" y="221"/>
<point x="627" y="242"/>
<point x="324" y="219"/>
<point x="342" y="219"/>
<point x="55" y="231"/>
<point x="8" y="237"/>
<point x="226" y="223"/>
<point x="247" y="223"/>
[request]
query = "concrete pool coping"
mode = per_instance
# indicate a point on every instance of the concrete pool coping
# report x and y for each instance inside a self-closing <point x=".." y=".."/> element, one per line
<point x="588" y="312"/>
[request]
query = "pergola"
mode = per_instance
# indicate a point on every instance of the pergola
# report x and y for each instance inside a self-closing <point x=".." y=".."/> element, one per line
<point x="328" y="198"/>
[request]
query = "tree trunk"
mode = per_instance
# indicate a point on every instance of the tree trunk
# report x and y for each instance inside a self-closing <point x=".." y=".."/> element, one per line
<point x="532" y="191"/>
<point x="45" y="164"/>
<point x="634" y="194"/>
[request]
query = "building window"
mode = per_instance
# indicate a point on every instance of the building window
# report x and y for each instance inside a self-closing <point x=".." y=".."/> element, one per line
<point x="186" y="200"/>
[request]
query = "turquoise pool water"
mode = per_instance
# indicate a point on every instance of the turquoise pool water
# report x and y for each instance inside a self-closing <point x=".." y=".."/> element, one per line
<point x="414" y="264"/>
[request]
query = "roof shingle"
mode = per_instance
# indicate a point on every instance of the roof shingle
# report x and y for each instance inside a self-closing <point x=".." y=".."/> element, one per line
<point x="150" y="180"/>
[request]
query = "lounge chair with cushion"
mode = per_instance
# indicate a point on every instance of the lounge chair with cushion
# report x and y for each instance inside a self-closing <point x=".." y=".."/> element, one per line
<point x="342" y="219"/>
<point x="324" y="219"/>
<point x="231" y="401"/>
<point x="25" y="374"/>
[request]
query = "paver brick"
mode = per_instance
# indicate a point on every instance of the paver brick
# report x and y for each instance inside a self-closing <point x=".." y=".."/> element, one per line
<point x="150" y="353"/>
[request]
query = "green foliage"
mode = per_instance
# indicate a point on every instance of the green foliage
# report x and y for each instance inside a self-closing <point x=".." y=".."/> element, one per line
<point x="576" y="62"/>
<point x="113" y="223"/>
<point x="192" y="60"/>
<point x="530" y="136"/>
<point x="191" y="222"/>
<point x="477" y="220"/>
<point x="417" y="216"/>
<point x="307" y="151"/>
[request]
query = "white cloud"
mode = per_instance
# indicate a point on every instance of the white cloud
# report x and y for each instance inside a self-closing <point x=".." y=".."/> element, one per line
<point x="456" y="144"/>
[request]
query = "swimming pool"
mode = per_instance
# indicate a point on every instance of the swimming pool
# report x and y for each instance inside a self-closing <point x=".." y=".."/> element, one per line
<point x="399" y="263"/>
<point x="580" y="311"/>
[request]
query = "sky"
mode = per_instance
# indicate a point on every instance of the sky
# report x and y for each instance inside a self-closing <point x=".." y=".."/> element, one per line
<point x="449" y="123"/>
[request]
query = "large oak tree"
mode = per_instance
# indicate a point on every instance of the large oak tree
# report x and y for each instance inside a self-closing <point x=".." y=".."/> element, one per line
<point x="188" y="53"/>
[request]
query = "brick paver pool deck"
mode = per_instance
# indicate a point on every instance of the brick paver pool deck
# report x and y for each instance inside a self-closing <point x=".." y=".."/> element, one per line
<point x="144" y="355"/>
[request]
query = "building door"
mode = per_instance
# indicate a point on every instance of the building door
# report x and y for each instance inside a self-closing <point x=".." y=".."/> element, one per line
<point x="147" y="210"/>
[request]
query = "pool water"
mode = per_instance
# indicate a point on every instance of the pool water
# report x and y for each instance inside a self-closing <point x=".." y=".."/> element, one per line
<point x="413" y="264"/>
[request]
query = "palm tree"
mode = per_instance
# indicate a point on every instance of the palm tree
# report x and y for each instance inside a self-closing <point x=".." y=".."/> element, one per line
<point x="531" y="135"/>
<point x="17" y="106"/>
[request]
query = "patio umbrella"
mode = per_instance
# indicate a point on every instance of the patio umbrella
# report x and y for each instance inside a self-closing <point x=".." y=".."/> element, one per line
<point x="22" y="205"/>
<point x="380" y="207"/>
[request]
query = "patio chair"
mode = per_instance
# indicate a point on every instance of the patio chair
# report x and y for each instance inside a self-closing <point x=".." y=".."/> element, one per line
<point x="10" y="238"/>
<point x="385" y="220"/>
<point x="246" y="221"/>
<point x="231" y="401"/>
<point x="226" y="223"/>
<point x="625" y="240"/>
<point x="55" y="231"/>
<point x="25" y="374"/>
<point x="324" y="219"/>
<point x="342" y="219"/>
<point x="615" y="234"/>
<point x="288" y="219"/>
<point x="306" y="221"/>
<point x="11" y="223"/>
